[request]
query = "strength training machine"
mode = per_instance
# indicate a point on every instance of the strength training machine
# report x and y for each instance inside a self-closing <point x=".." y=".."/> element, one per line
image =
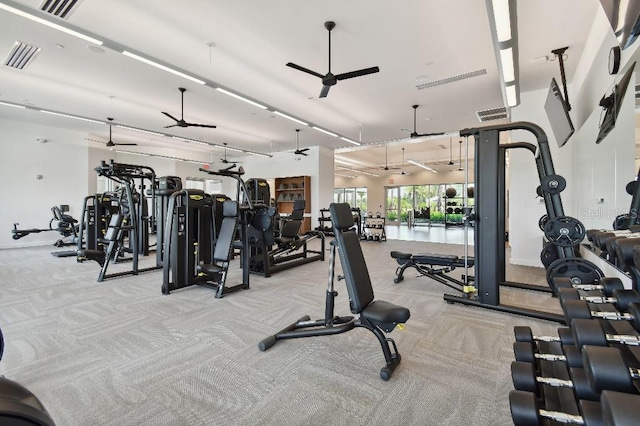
<point x="131" y="222"/>
<point x="196" y="250"/>
<point x="291" y="248"/>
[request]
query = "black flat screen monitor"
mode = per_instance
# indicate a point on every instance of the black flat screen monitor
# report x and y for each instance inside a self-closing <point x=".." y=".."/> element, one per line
<point x="612" y="104"/>
<point x="558" y="114"/>
<point x="624" y="17"/>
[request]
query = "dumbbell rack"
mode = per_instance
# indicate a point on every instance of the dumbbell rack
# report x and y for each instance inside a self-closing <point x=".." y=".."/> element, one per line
<point x="373" y="229"/>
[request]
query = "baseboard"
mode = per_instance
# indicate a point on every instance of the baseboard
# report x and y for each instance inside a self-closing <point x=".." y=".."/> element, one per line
<point x="526" y="262"/>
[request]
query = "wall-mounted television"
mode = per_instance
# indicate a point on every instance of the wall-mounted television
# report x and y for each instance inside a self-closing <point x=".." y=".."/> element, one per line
<point x="624" y="17"/>
<point x="558" y="114"/>
<point x="612" y="104"/>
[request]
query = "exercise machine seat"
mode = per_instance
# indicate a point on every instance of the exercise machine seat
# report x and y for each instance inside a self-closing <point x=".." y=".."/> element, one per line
<point x="291" y="225"/>
<point x="224" y="244"/>
<point x="382" y="312"/>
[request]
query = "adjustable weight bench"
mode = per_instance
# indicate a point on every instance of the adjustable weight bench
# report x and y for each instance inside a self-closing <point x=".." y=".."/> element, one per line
<point x="434" y="266"/>
<point x="377" y="316"/>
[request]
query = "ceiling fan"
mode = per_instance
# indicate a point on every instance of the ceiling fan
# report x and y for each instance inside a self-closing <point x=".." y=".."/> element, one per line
<point x="330" y="79"/>
<point x="460" y="168"/>
<point x="415" y="133"/>
<point x="451" y="163"/>
<point x="181" y="122"/>
<point x="224" y="159"/>
<point x="299" y="151"/>
<point x="403" y="172"/>
<point x="110" y="143"/>
<point x="386" y="158"/>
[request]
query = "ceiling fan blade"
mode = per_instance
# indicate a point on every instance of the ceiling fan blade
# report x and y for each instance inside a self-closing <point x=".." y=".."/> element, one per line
<point x="210" y="126"/>
<point x="170" y="116"/>
<point x="303" y="69"/>
<point x="422" y="135"/>
<point x="126" y="144"/>
<point x="358" y="73"/>
<point x="325" y="91"/>
<point x="173" y="125"/>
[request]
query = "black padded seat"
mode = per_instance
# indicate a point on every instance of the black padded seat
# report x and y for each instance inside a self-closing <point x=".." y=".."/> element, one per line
<point x="400" y="255"/>
<point x="382" y="312"/>
<point x="209" y="269"/>
<point x="435" y="258"/>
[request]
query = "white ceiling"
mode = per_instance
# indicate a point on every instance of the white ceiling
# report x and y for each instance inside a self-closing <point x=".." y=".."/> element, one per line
<point x="244" y="46"/>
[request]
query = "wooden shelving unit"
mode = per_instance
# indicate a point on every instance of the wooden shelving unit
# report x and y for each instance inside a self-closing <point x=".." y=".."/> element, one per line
<point x="289" y="189"/>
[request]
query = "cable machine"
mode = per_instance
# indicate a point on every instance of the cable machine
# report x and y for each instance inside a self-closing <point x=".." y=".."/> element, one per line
<point x="489" y="217"/>
<point x="132" y="220"/>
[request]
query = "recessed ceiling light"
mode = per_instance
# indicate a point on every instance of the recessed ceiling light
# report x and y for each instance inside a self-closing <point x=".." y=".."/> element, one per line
<point x="427" y="118"/>
<point x="95" y="49"/>
<point x="59" y="46"/>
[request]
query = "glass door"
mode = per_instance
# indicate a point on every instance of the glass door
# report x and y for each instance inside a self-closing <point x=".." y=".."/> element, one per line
<point x="406" y="203"/>
<point x="392" y="212"/>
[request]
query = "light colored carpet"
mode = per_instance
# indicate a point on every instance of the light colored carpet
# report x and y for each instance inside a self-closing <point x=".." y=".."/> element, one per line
<point x="121" y="353"/>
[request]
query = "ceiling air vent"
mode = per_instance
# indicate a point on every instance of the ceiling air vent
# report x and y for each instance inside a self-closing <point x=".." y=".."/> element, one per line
<point x="451" y="79"/>
<point x="492" y="114"/>
<point x="59" y="8"/>
<point x="21" y="55"/>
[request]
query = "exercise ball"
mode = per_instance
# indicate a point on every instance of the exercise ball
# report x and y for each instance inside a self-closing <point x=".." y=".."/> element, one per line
<point x="450" y="192"/>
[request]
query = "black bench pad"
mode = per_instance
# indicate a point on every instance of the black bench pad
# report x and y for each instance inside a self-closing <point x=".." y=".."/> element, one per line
<point x="383" y="312"/>
<point x="433" y="259"/>
<point x="210" y="269"/>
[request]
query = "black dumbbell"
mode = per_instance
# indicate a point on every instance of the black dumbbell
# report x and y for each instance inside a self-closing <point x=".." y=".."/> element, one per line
<point x="619" y="298"/>
<point x="524" y="334"/>
<point x="524" y="352"/>
<point x="574" y="309"/>
<point x="606" y="369"/>
<point x="587" y="332"/>
<point x="606" y="285"/>
<point x="524" y="378"/>
<point x="614" y="409"/>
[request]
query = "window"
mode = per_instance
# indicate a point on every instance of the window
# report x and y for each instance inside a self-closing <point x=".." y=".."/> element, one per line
<point x="355" y="197"/>
<point x="210" y="186"/>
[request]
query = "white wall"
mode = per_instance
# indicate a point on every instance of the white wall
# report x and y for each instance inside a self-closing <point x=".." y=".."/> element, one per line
<point x="62" y="162"/>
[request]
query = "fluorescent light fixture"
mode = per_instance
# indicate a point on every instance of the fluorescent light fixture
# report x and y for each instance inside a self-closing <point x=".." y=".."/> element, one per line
<point x="350" y="141"/>
<point x="230" y="148"/>
<point x="162" y="67"/>
<point x="190" y="140"/>
<point x="260" y="154"/>
<point x="71" y="116"/>
<point x="12" y="105"/>
<point x="140" y="130"/>
<point x="346" y="176"/>
<point x="325" y="131"/>
<point x="50" y="24"/>
<point x="165" y="157"/>
<point x="506" y="59"/>
<point x="422" y="165"/>
<point x="281" y="114"/>
<point x="249" y="101"/>
<point x="359" y="171"/>
<point x="512" y="98"/>
<point x="502" y="18"/>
